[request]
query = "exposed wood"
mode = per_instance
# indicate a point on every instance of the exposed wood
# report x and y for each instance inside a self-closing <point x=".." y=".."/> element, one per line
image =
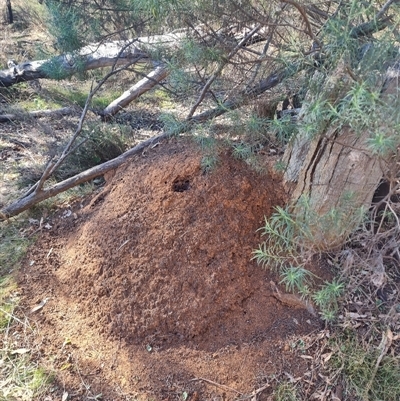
<point x="65" y="111"/>
<point x="144" y="85"/>
<point x="335" y="170"/>
<point x="41" y="194"/>
<point x="88" y="58"/>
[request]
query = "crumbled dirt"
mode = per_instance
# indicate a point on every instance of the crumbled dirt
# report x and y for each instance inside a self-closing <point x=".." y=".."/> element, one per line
<point x="150" y="286"/>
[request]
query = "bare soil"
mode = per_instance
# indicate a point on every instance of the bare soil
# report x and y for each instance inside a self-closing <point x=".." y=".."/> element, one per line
<point x="150" y="286"/>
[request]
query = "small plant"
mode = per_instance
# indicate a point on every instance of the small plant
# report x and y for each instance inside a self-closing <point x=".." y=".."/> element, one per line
<point x="102" y="142"/>
<point x="206" y="142"/>
<point x="284" y="240"/>
<point x="280" y="166"/>
<point x="327" y="299"/>
<point x="172" y="125"/>
<point x="283" y="128"/>
<point x="242" y="151"/>
<point x="295" y="278"/>
<point x="285" y="392"/>
<point x="13" y="245"/>
<point x="208" y="163"/>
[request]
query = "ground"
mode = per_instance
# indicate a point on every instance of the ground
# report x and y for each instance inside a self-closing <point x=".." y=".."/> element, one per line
<point x="147" y="290"/>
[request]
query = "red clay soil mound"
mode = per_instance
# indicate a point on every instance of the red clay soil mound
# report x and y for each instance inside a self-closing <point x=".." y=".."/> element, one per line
<point x="158" y="268"/>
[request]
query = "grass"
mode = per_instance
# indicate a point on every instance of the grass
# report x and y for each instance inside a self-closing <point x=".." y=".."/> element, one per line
<point x="21" y="378"/>
<point x="39" y="103"/>
<point x="24" y="380"/>
<point x="71" y="95"/>
<point x="13" y="244"/>
<point x="285" y="391"/>
<point x="368" y="373"/>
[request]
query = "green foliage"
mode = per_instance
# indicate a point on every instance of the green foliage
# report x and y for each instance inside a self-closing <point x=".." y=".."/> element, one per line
<point x="192" y="52"/>
<point x="209" y="163"/>
<point x="295" y="278"/>
<point x="288" y="239"/>
<point x="318" y="116"/>
<point x="282" y="128"/>
<point x="55" y="67"/>
<point x="64" y="25"/>
<point x="172" y="124"/>
<point x="280" y="166"/>
<point x="156" y="9"/>
<point x="327" y="299"/>
<point x="206" y="142"/>
<point x="294" y="235"/>
<point x="242" y="151"/>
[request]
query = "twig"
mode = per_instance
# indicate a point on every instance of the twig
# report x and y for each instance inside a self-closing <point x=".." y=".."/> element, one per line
<point x="384" y="8"/>
<point x="255" y="393"/>
<point x="219" y="70"/>
<point x="216" y="384"/>
<point x="307" y="22"/>
<point x="384" y="346"/>
<point x="12" y="316"/>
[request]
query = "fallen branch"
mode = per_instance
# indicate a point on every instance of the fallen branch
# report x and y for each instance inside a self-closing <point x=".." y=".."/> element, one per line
<point x="90" y="57"/>
<point x="144" y="85"/>
<point x="40" y="195"/>
<point x="65" y="111"/>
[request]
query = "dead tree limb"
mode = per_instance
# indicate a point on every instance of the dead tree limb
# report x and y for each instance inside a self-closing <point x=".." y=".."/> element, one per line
<point x="144" y="85"/>
<point x="88" y="58"/>
<point x="35" y="197"/>
<point x="64" y="111"/>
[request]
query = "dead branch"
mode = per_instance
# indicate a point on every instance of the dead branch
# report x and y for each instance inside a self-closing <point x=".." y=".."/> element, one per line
<point x="88" y="58"/>
<point x="35" y="197"/>
<point x="69" y="148"/>
<point x="135" y="91"/>
<point x="223" y="386"/>
<point x="64" y="111"/>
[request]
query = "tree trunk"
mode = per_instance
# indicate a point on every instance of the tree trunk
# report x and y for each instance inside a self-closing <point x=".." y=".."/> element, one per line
<point x="335" y="171"/>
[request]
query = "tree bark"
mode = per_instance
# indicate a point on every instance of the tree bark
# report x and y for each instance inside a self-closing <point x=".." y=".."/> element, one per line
<point x="335" y="170"/>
